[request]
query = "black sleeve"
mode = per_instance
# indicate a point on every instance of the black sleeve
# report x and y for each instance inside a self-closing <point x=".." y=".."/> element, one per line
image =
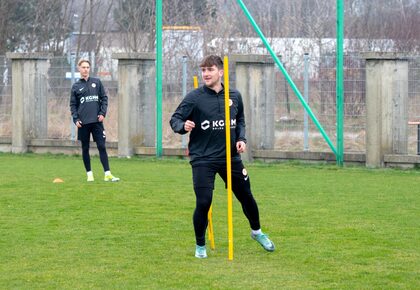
<point x="240" y="121"/>
<point x="74" y="105"/>
<point x="182" y="114"/>
<point x="103" y="99"/>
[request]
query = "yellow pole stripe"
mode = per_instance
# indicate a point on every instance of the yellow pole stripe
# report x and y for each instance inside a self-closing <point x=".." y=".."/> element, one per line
<point x="228" y="158"/>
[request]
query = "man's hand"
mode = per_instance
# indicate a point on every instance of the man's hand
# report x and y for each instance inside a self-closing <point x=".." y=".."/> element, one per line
<point x="189" y="125"/>
<point x="240" y="146"/>
<point x="79" y="124"/>
<point x="101" y="118"/>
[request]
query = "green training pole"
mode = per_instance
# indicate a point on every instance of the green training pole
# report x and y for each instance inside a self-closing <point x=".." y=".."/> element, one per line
<point x="286" y="75"/>
<point x="158" y="78"/>
<point x="340" y="83"/>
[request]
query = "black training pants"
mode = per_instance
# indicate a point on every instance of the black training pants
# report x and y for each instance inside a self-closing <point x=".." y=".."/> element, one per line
<point x="203" y="179"/>
<point x="98" y="133"/>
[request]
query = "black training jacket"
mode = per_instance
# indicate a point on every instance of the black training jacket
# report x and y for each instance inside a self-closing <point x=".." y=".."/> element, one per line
<point x="206" y="109"/>
<point x="88" y="100"/>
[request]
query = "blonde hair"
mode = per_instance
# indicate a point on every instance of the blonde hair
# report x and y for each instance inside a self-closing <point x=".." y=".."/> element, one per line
<point x="79" y="63"/>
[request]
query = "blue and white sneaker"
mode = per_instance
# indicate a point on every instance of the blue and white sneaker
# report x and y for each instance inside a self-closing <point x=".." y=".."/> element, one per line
<point x="264" y="241"/>
<point x="200" y="252"/>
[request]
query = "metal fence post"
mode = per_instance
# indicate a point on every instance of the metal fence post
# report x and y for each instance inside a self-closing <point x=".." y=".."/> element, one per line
<point x="418" y="139"/>
<point x="306" y="96"/>
<point x="73" y="80"/>
<point x="184" y="92"/>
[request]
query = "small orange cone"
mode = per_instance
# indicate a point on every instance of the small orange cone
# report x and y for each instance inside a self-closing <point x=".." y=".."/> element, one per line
<point x="58" y="180"/>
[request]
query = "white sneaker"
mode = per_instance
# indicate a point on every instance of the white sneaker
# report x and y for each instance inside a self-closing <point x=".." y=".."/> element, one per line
<point x="111" y="178"/>
<point x="90" y="177"/>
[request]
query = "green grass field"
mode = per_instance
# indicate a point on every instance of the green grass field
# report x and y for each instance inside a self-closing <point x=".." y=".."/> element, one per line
<point x="334" y="228"/>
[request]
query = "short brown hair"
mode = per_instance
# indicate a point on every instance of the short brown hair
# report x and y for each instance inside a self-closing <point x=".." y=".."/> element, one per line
<point x="212" y="60"/>
<point x="82" y="60"/>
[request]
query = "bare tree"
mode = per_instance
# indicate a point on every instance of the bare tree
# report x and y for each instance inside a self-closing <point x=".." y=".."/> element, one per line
<point x="34" y="25"/>
<point x="5" y="8"/>
<point x="135" y="20"/>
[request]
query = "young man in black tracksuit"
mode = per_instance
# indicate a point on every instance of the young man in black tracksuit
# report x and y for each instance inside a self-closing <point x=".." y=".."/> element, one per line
<point x="88" y="106"/>
<point x="202" y="114"/>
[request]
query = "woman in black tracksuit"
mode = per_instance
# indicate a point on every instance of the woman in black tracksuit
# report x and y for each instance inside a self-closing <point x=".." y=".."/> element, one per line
<point x="202" y="114"/>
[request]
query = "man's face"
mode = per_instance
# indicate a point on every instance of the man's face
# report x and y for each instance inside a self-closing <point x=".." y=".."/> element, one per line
<point x="211" y="76"/>
<point x="84" y="69"/>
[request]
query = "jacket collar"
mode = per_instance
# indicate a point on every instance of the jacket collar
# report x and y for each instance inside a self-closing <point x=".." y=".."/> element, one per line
<point x="211" y="91"/>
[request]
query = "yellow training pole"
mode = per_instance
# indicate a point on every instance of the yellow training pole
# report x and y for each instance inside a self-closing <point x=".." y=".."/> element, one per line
<point x="210" y="228"/>
<point x="210" y="213"/>
<point x="195" y="79"/>
<point x="228" y="157"/>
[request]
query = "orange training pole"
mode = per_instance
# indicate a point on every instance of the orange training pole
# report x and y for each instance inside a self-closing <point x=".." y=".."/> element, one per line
<point x="228" y="157"/>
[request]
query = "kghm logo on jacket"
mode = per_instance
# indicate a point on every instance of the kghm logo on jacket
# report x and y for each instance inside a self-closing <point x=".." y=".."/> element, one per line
<point x="89" y="99"/>
<point x="217" y="124"/>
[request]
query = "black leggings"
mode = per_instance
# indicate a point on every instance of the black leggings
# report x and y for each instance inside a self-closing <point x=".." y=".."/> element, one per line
<point x="102" y="155"/>
<point x="203" y="178"/>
